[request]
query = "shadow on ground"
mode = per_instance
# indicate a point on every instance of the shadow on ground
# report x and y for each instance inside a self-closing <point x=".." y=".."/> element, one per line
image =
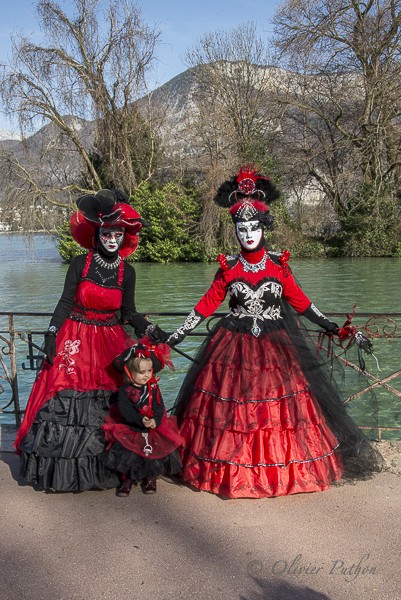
<point x="282" y="590"/>
<point x="11" y="460"/>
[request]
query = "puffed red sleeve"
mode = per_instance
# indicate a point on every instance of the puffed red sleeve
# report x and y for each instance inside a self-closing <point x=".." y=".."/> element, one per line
<point x="294" y="294"/>
<point x="215" y="295"/>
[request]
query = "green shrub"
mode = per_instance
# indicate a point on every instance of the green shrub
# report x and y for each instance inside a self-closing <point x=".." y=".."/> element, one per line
<point x="172" y="213"/>
<point x="65" y="243"/>
<point x="371" y="226"/>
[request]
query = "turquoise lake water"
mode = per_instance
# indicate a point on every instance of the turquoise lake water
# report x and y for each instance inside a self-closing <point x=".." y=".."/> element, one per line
<point x="32" y="276"/>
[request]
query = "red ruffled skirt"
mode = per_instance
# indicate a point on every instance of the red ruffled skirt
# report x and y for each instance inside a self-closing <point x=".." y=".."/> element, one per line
<point x="251" y="425"/>
<point x="152" y="444"/>
<point x="141" y="454"/>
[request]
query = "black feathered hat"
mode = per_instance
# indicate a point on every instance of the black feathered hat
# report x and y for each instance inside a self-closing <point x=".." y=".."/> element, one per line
<point x="246" y="194"/>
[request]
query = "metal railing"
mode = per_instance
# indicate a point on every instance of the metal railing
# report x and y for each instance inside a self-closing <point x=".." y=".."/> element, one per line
<point x="21" y="345"/>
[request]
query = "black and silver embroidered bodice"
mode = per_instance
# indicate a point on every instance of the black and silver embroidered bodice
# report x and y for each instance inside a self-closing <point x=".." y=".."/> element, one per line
<point x="259" y="303"/>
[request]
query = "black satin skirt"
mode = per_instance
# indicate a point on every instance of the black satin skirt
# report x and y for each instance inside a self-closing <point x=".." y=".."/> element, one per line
<point x="62" y="450"/>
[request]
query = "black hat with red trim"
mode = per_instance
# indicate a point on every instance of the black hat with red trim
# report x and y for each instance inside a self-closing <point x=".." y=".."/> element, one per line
<point x="159" y="354"/>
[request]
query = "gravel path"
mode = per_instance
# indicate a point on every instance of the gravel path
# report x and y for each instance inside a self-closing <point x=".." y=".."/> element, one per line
<point x="180" y="544"/>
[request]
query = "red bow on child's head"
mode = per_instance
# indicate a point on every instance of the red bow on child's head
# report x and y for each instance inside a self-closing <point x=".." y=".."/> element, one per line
<point x="159" y="354"/>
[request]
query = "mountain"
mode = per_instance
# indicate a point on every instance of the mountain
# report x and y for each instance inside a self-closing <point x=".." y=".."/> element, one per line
<point x="51" y="156"/>
<point x="173" y="107"/>
<point x="50" y="153"/>
<point x="52" y="159"/>
<point x="8" y="135"/>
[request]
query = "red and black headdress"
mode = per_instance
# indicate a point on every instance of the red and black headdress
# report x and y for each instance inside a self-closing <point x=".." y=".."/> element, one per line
<point x="246" y="194"/>
<point x="106" y="208"/>
<point x="159" y="354"/>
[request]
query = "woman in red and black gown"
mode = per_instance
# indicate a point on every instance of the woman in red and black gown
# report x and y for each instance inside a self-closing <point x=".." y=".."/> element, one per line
<point x="259" y="412"/>
<point x="60" y="441"/>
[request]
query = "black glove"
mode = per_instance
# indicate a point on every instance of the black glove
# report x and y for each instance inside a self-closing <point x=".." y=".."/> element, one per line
<point x="139" y="323"/>
<point x="331" y="327"/>
<point x="155" y="334"/>
<point x="315" y="316"/>
<point x="50" y="347"/>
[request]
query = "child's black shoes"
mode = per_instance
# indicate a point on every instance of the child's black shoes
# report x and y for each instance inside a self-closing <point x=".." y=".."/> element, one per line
<point x="124" y="490"/>
<point x="149" y="485"/>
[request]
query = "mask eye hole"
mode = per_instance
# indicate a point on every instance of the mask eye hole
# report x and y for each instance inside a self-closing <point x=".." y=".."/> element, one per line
<point x="109" y="235"/>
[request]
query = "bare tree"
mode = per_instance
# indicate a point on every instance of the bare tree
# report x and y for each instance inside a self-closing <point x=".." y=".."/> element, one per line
<point x="342" y="96"/>
<point x="93" y="66"/>
<point x="231" y="119"/>
<point x="232" y="90"/>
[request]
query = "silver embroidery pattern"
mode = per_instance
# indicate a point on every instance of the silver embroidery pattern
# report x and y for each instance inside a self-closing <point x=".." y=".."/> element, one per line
<point x="254" y="305"/>
<point x="190" y="323"/>
<point x="70" y="348"/>
<point x="317" y="311"/>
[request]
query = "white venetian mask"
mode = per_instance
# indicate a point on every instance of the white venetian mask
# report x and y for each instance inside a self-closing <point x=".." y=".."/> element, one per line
<point x="111" y="238"/>
<point x="249" y="234"/>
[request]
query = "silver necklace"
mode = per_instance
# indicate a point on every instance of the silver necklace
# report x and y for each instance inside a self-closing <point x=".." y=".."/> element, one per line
<point x="107" y="265"/>
<point x="253" y="268"/>
<point x="104" y="279"/>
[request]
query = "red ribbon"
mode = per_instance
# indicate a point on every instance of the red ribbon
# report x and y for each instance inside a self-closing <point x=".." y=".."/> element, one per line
<point x="222" y="258"/>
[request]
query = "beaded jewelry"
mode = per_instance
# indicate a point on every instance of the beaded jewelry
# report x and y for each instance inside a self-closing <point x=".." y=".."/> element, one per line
<point x="249" y="267"/>
<point x="107" y="265"/>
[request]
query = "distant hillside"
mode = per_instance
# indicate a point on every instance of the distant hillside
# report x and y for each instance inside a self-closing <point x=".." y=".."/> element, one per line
<point x="8" y="135"/>
<point x="53" y="159"/>
<point x="50" y="152"/>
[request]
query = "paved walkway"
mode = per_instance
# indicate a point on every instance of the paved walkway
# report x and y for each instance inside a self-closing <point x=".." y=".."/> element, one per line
<point x="341" y="544"/>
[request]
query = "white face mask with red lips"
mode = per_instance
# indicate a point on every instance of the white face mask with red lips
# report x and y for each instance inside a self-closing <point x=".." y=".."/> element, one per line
<point x="249" y="234"/>
<point x="111" y="238"/>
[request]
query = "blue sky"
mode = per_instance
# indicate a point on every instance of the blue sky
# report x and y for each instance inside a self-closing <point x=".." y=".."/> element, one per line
<point x="181" y="22"/>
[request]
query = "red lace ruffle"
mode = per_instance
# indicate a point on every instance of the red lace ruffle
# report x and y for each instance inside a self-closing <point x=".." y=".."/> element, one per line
<point x="160" y="442"/>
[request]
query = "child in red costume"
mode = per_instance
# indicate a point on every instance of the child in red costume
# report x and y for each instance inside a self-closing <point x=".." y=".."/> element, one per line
<point x="143" y="441"/>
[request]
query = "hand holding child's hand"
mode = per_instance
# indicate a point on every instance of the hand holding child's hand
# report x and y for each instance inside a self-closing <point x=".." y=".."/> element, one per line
<point x="149" y="423"/>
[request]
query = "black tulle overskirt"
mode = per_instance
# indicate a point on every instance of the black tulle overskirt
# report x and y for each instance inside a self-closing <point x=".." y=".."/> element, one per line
<point x="264" y="416"/>
<point x="137" y="467"/>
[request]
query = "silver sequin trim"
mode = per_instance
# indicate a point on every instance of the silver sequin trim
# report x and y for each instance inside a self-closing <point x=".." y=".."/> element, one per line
<point x="281" y="465"/>
<point x="317" y="311"/>
<point x="106" y="265"/>
<point x="253" y="268"/>
<point x="190" y="323"/>
<point x="252" y="401"/>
